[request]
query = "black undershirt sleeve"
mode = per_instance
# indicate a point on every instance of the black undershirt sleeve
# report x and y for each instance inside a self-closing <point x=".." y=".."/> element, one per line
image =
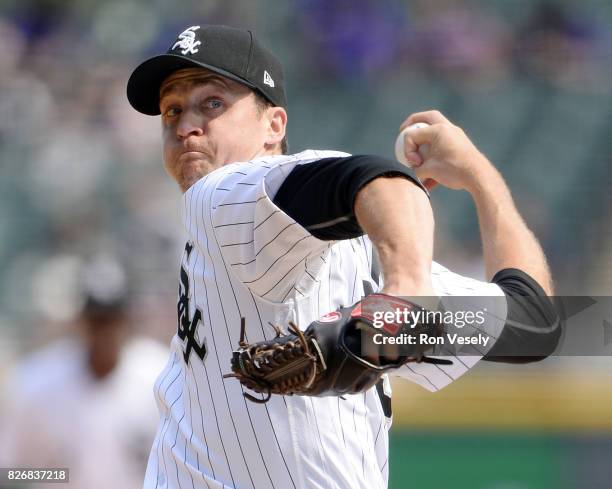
<point x="320" y="196"/>
<point x="533" y="325"/>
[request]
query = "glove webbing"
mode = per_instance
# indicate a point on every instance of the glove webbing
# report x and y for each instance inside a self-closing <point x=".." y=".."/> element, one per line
<point x="266" y="365"/>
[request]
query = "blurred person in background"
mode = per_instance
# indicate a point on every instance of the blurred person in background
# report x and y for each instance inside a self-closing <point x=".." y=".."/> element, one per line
<point x="85" y="402"/>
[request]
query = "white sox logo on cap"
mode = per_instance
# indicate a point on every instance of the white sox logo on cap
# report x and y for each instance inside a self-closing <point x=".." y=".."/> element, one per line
<point x="187" y="41"/>
<point x="233" y="53"/>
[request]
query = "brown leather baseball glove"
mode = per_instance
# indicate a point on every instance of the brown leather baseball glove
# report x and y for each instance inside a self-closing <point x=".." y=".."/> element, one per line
<point x="326" y="359"/>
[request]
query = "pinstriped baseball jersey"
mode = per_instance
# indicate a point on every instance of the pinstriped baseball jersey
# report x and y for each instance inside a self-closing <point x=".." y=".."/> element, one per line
<point x="246" y="258"/>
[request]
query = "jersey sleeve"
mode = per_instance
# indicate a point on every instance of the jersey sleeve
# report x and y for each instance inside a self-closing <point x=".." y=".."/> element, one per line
<point x="232" y="210"/>
<point x="458" y="295"/>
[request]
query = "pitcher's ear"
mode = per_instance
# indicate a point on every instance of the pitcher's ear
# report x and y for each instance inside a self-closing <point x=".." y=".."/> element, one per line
<point x="277" y="125"/>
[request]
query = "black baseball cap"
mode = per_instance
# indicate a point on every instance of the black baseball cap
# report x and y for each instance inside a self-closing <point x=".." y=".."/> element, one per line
<point x="230" y="52"/>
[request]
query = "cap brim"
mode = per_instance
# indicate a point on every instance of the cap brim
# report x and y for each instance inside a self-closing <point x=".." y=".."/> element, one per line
<point x="145" y="81"/>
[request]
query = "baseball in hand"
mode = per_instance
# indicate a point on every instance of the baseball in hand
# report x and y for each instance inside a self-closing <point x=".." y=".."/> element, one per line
<point x="399" y="144"/>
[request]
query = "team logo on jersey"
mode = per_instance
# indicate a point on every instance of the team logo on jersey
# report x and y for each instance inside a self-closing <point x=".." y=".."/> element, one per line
<point x="330" y="317"/>
<point x="187" y="326"/>
<point x="187" y="41"/>
<point x="268" y="80"/>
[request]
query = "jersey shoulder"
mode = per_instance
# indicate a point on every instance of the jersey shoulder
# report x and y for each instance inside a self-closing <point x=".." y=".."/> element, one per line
<point x="246" y="181"/>
<point x="262" y="165"/>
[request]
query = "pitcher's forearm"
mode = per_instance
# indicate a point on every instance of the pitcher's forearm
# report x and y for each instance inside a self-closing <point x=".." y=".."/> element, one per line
<point x="397" y="216"/>
<point x="506" y="240"/>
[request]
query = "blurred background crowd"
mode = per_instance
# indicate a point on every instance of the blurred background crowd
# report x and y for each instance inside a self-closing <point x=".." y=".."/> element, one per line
<point x="81" y="179"/>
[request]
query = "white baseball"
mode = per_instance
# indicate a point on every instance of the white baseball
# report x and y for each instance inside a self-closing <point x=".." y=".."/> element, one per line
<point x="423" y="149"/>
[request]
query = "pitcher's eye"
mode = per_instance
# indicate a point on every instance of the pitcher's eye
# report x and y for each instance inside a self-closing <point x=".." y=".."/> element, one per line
<point x="213" y="103"/>
<point x="172" y="111"/>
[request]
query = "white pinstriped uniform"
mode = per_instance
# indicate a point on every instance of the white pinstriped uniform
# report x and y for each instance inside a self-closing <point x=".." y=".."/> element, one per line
<point x="246" y="258"/>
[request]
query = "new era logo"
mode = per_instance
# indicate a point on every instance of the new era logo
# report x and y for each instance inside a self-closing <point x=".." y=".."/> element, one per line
<point x="268" y="79"/>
